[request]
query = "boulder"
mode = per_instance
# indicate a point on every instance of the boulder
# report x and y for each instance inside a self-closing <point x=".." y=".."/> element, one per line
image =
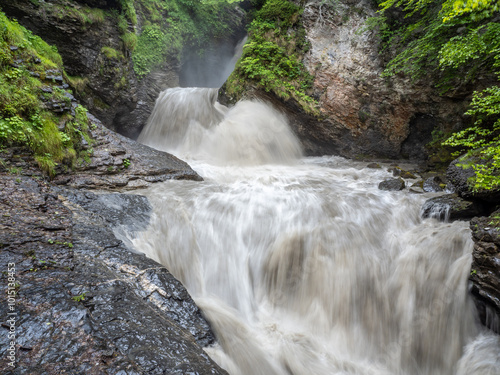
<point x="450" y="207"/>
<point x="118" y="163"/>
<point x="392" y="184"/>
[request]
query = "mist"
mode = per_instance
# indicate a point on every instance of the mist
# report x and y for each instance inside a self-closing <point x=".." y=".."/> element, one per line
<point x="213" y="67"/>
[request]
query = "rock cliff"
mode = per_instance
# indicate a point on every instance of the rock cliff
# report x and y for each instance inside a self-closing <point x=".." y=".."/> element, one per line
<point x="91" y="35"/>
<point x="360" y="113"/>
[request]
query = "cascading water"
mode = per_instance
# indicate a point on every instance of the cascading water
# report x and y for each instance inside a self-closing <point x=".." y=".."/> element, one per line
<point x="301" y="265"/>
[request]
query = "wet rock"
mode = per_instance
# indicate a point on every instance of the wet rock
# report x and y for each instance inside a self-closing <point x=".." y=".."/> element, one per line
<point x="450" y="207"/>
<point x="119" y="163"/>
<point x="433" y="184"/>
<point x="459" y="174"/>
<point x="485" y="269"/>
<point x="84" y="302"/>
<point x="399" y="172"/>
<point x="392" y="184"/>
<point x="417" y="187"/>
<point x="374" y="166"/>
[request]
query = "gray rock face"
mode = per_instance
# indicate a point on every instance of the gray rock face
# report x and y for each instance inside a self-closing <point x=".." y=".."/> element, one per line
<point x="84" y="302"/>
<point x="485" y="269"/>
<point x="118" y="163"/>
<point x="392" y="184"/>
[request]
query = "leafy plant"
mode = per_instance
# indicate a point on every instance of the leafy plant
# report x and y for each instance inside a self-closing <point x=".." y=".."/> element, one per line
<point x="80" y="297"/>
<point x="453" y="42"/>
<point x="272" y="56"/>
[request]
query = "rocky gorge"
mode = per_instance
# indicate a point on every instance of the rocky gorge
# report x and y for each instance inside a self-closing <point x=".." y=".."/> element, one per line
<point x="58" y="232"/>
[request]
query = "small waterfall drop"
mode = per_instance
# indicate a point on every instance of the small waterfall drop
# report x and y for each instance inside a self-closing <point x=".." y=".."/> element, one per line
<point x="301" y="265"/>
<point x="190" y="123"/>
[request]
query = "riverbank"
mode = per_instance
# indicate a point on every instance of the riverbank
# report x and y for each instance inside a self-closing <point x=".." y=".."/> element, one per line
<point x="82" y="301"/>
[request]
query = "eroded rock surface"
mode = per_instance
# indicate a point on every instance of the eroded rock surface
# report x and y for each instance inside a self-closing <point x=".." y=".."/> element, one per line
<point x="485" y="269"/>
<point x="120" y="163"/>
<point x="85" y="303"/>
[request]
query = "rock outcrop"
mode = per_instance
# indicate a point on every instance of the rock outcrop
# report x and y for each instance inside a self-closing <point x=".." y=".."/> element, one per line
<point x="361" y="113"/>
<point x="94" y="53"/>
<point x="118" y="163"/>
<point x="451" y="207"/>
<point x="84" y="303"/>
<point x="460" y="172"/>
<point x="485" y="269"/>
<point x="366" y="114"/>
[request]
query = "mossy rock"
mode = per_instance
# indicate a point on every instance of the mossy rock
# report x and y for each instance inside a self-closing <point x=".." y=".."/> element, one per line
<point x="462" y="176"/>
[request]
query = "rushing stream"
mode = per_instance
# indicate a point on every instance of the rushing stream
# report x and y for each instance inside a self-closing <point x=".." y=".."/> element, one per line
<point x="301" y="265"/>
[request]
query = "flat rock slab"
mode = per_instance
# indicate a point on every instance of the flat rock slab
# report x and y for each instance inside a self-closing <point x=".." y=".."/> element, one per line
<point x="119" y="163"/>
<point x="84" y="302"/>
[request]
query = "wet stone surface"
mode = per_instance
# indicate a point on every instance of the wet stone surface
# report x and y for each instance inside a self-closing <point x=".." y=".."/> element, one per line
<point x="392" y="184"/>
<point x="118" y="163"/>
<point x="85" y="304"/>
<point x="485" y="269"/>
<point x="450" y="207"/>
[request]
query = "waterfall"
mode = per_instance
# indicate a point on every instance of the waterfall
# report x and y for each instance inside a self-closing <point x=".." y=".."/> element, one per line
<point x="301" y="265"/>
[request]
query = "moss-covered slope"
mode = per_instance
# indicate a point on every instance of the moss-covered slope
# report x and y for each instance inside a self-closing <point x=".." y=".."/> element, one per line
<point x="36" y="109"/>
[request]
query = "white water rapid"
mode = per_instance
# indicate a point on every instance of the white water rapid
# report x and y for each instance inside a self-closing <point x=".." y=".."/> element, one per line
<point x="301" y="265"/>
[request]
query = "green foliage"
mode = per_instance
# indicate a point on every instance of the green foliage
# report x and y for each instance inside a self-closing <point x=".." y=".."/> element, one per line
<point x="24" y="121"/>
<point x="482" y="141"/>
<point x="478" y="44"/>
<point x="126" y="163"/>
<point x="174" y="26"/>
<point x="429" y="38"/>
<point x="477" y="9"/>
<point x="272" y="56"/>
<point x="111" y="53"/>
<point x="453" y="41"/>
<point x="150" y="51"/>
<point x="80" y="297"/>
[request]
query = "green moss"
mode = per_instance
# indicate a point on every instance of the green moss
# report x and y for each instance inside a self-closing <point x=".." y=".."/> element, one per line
<point x="129" y="40"/>
<point x="272" y="57"/>
<point x="83" y="14"/>
<point x="24" y="121"/>
<point x="174" y="26"/>
<point x="129" y="11"/>
<point x="111" y="53"/>
<point x="79" y="84"/>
